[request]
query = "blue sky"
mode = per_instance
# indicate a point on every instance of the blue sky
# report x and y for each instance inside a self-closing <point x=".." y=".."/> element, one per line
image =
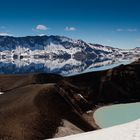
<point x="109" y="22"/>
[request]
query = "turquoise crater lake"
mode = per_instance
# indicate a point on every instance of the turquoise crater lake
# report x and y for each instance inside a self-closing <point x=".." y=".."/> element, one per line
<point x="117" y="114"/>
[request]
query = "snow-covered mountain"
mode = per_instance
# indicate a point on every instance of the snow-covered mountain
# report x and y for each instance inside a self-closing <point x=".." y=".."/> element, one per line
<point x="57" y="54"/>
<point x="53" y="47"/>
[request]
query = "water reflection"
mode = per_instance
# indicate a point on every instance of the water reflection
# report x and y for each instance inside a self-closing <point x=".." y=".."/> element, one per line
<point x="58" y="66"/>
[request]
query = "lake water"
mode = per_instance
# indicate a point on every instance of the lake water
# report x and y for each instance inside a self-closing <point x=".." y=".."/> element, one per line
<point x="58" y="66"/>
<point x="117" y="114"/>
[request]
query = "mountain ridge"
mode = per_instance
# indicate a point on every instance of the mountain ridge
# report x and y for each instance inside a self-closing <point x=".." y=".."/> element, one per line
<point x="58" y="46"/>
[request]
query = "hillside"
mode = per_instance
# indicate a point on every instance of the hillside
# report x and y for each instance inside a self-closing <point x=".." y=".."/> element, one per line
<point x="34" y="106"/>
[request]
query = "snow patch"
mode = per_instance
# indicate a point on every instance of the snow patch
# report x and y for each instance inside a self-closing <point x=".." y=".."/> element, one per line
<point x="1" y="93"/>
<point x="129" y="131"/>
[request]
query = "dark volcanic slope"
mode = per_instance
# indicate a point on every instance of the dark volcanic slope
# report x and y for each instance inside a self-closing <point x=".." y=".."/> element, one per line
<point x="33" y="106"/>
<point x="117" y="85"/>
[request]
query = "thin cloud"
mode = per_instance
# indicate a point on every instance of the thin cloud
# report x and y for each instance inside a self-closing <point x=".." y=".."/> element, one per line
<point x="41" y="27"/>
<point x="138" y="40"/>
<point x="2" y="27"/>
<point x="127" y="30"/>
<point x="41" y="34"/>
<point x="5" y="34"/>
<point x="119" y="30"/>
<point x="132" y="30"/>
<point x="70" y="29"/>
<point x="109" y="40"/>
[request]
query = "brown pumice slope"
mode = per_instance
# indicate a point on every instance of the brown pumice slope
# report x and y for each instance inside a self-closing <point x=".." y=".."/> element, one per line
<point x="8" y="82"/>
<point x="34" y="112"/>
